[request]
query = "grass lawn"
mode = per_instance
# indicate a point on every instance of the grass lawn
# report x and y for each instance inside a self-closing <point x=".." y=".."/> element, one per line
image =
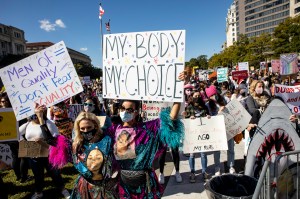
<point x="17" y="190"/>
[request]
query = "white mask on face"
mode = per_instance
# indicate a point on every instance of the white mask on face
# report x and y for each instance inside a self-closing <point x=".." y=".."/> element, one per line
<point x="126" y="117"/>
<point x="259" y="90"/>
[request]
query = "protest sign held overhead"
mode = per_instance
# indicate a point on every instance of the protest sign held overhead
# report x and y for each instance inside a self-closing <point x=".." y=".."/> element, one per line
<point x="243" y="66"/>
<point x="222" y="75"/>
<point x="46" y="78"/>
<point x="289" y="64"/>
<point x="275" y="63"/>
<point x="144" y="65"/>
<point x="9" y="127"/>
<point x="203" y="134"/>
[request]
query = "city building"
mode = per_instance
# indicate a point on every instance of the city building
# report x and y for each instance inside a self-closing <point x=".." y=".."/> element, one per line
<point x="255" y="17"/>
<point x="12" y="41"/>
<point x="231" y="25"/>
<point x="294" y="8"/>
<point x="77" y="57"/>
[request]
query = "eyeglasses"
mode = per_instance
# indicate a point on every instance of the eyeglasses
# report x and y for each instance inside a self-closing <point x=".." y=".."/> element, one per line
<point x="88" y="104"/>
<point x="128" y="110"/>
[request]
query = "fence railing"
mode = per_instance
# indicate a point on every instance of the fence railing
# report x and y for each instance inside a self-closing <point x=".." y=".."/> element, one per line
<point x="284" y="183"/>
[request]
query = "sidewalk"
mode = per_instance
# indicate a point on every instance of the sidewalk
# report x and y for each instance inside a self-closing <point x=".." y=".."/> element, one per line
<point x="185" y="189"/>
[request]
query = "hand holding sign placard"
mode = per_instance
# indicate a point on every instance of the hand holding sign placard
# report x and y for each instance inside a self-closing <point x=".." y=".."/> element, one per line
<point x="203" y="134"/>
<point x="236" y="118"/>
<point x="144" y="65"/>
<point x="46" y="78"/>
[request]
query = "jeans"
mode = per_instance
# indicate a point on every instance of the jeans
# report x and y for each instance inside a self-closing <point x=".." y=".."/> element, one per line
<point x="217" y="156"/>
<point x="230" y="153"/>
<point x="38" y="165"/>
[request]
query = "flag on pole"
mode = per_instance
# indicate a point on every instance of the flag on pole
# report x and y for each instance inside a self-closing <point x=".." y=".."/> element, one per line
<point x="107" y="25"/>
<point x="101" y="12"/>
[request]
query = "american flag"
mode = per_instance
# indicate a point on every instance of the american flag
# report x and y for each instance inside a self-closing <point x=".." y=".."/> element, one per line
<point x="107" y="25"/>
<point x="101" y="12"/>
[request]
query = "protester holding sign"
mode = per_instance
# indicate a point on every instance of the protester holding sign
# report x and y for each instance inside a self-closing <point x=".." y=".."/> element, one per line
<point x="92" y="158"/>
<point x="257" y="102"/>
<point x="137" y="177"/>
<point x="42" y="131"/>
<point x="215" y="104"/>
<point x="196" y="108"/>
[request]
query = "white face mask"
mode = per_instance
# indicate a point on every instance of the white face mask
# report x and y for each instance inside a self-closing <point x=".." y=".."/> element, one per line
<point x="259" y="90"/>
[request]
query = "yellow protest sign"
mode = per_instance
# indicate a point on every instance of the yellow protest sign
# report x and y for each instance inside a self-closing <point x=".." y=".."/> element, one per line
<point x="8" y="125"/>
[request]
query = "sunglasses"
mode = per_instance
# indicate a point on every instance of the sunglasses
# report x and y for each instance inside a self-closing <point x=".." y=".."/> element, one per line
<point x="88" y="104"/>
<point x="128" y="110"/>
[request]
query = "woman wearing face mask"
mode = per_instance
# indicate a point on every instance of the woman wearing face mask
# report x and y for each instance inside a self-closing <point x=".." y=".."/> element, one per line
<point x="91" y="105"/>
<point x="257" y="102"/>
<point x="137" y="177"/>
<point x="92" y="158"/>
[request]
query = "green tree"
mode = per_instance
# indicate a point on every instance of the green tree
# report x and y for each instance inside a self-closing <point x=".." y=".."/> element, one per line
<point x="286" y="37"/>
<point x="202" y="61"/>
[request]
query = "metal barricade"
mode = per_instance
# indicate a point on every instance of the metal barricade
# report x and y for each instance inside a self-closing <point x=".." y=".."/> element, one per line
<point x="285" y="181"/>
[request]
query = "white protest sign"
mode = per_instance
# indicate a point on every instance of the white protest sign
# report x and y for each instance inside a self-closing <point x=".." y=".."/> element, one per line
<point x="290" y="96"/>
<point x="5" y="157"/>
<point x="46" y="78"/>
<point x="144" y="65"/>
<point x="243" y="66"/>
<point x="86" y="80"/>
<point x="237" y="118"/>
<point x="152" y="109"/>
<point x="203" y="134"/>
<point x="222" y="75"/>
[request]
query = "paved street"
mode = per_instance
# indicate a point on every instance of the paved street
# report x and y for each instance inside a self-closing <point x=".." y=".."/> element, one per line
<point x="188" y="190"/>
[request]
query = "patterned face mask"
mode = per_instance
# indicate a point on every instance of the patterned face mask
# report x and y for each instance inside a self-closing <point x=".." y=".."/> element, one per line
<point x="88" y="135"/>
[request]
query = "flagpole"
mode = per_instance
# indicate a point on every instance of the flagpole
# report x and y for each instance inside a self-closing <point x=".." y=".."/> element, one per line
<point x="101" y="39"/>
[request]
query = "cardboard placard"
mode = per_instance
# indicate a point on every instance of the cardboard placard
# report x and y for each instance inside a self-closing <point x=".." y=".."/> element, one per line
<point x="47" y="78"/>
<point x="237" y="118"/>
<point x="144" y="65"/>
<point x="32" y="149"/>
<point x="203" y="134"/>
<point x="65" y="126"/>
<point x="9" y="127"/>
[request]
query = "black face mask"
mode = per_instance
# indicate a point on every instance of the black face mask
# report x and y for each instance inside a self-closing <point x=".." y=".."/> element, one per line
<point x="88" y="135"/>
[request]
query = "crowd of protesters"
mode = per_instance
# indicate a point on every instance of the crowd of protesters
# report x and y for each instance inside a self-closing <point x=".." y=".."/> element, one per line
<point x="125" y="144"/>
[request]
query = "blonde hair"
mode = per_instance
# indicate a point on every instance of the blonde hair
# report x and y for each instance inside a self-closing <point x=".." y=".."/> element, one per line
<point x="78" y="139"/>
<point x="253" y="86"/>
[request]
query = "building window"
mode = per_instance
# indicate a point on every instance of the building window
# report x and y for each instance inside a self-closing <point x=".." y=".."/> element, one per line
<point x="233" y="39"/>
<point x="17" y="35"/>
<point x="232" y="29"/>
<point x="232" y="34"/>
<point x="297" y="10"/>
<point x="1" y="30"/>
